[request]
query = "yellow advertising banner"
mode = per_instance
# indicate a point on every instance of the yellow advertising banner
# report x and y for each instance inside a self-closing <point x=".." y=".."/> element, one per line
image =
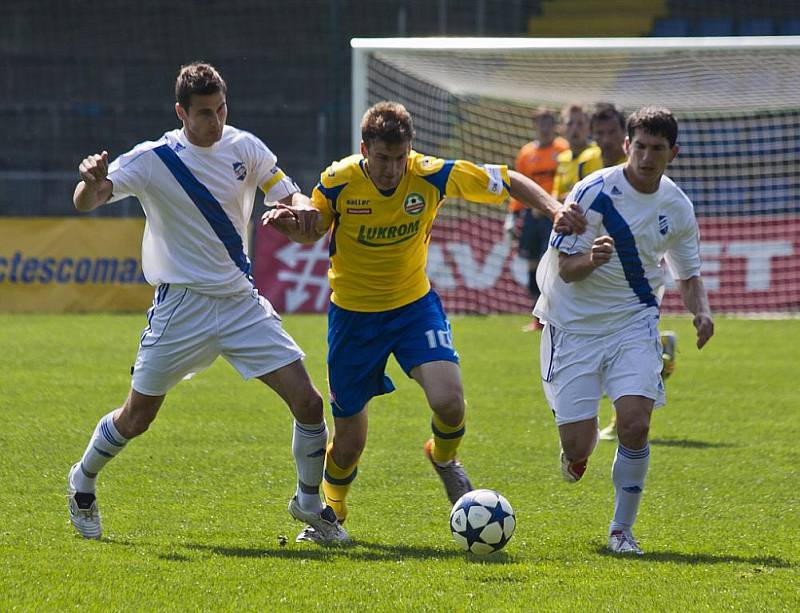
<point x="58" y="265"/>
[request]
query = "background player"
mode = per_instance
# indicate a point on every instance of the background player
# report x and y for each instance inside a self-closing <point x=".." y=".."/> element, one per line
<point x="196" y="186"/>
<point x="538" y="161"/>
<point x="379" y="207"/>
<point x="600" y="301"/>
<point x="582" y="158"/>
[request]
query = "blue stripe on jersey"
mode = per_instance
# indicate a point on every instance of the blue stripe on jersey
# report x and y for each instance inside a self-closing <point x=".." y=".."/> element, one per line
<point x="439" y="178"/>
<point x="583" y="189"/>
<point x="331" y="193"/>
<point x="625" y="245"/>
<point x="332" y="242"/>
<point x="208" y="205"/>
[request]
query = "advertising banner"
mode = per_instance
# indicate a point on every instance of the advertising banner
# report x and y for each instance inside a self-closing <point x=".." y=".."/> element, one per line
<point x="56" y="265"/>
<point x="749" y="265"/>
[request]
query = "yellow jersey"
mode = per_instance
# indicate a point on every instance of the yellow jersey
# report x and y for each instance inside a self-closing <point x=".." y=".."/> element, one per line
<point x="570" y="171"/>
<point x="379" y="240"/>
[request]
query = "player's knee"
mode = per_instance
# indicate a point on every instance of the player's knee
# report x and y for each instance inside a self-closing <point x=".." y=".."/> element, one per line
<point x="633" y="432"/>
<point x="307" y="406"/>
<point x="449" y="405"/>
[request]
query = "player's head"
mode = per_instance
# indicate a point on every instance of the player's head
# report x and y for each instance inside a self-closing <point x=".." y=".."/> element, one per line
<point x="576" y="127"/>
<point x="608" y="131"/>
<point x="545" y="123"/>
<point x="650" y="146"/>
<point x="201" y="103"/>
<point x="386" y="134"/>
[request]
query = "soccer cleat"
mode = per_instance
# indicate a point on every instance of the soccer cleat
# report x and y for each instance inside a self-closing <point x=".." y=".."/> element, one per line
<point x="322" y="528"/>
<point x="572" y="471"/>
<point x="669" y="342"/>
<point x="623" y="542"/>
<point x="455" y="480"/>
<point x="83" y="511"/>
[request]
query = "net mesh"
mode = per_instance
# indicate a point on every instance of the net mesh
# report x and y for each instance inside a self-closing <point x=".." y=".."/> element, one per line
<point x="739" y="162"/>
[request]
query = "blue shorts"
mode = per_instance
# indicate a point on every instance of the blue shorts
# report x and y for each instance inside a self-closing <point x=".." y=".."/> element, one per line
<point x="359" y="345"/>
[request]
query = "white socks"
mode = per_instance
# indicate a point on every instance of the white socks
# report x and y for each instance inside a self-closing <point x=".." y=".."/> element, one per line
<point x="105" y="444"/>
<point x="308" y="447"/>
<point x="628" y="473"/>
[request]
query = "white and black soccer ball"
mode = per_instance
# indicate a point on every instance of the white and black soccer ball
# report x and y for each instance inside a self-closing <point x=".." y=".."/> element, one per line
<point x="482" y="521"/>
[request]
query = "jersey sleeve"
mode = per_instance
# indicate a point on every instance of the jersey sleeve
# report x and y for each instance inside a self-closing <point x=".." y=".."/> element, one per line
<point x="325" y="195"/>
<point x="488" y="183"/>
<point x="130" y="172"/>
<point x="683" y="251"/>
<point x="573" y="244"/>
<point x="275" y="184"/>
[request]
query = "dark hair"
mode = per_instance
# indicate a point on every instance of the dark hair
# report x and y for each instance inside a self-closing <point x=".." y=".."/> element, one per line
<point x="542" y="112"/>
<point x="603" y="111"/>
<point x="656" y="121"/>
<point x="388" y="122"/>
<point x="197" y="78"/>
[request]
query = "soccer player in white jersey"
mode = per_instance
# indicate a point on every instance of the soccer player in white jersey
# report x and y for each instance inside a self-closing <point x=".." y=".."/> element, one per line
<point x="601" y="292"/>
<point x="196" y="186"/>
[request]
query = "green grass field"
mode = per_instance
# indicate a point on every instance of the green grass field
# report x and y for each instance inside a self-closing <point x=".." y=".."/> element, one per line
<point x="194" y="509"/>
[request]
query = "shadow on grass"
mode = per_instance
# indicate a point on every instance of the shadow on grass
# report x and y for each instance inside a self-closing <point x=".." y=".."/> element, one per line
<point x="357" y="550"/>
<point x="688" y="444"/>
<point x="701" y="558"/>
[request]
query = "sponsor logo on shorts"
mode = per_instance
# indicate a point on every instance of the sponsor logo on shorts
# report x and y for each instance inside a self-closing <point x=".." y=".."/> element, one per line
<point x="383" y="236"/>
<point x="414" y="204"/>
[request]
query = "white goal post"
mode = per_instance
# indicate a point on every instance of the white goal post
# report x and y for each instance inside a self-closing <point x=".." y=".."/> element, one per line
<point x="737" y="100"/>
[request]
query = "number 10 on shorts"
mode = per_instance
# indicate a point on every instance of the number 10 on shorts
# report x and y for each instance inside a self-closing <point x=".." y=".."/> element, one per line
<point x="439" y="338"/>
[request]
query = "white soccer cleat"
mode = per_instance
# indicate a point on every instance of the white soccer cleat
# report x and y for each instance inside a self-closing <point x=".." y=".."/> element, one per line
<point x="83" y="511"/>
<point x="609" y="433"/>
<point x="323" y="528"/>
<point x="623" y="542"/>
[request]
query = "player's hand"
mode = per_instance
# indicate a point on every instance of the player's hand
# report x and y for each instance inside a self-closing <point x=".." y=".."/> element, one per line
<point x="307" y="219"/>
<point x="705" y="328"/>
<point x="94" y="169"/>
<point x="569" y="219"/>
<point x="279" y="215"/>
<point x="602" y="250"/>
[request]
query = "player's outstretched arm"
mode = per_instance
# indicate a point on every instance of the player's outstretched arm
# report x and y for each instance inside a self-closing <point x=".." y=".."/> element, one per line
<point x="580" y="265"/>
<point x="94" y="188"/>
<point x="296" y="218"/>
<point x="566" y="220"/>
<point x="695" y="298"/>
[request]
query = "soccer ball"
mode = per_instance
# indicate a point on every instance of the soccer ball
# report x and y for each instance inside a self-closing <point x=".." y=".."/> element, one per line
<point x="482" y="521"/>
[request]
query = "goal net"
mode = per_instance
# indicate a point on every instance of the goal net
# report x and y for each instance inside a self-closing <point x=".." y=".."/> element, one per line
<point x="737" y="103"/>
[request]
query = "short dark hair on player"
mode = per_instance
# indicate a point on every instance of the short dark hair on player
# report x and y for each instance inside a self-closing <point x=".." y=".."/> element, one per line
<point x="603" y="111"/>
<point x="388" y="122"/>
<point x="654" y="120"/>
<point x="197" y="78"/>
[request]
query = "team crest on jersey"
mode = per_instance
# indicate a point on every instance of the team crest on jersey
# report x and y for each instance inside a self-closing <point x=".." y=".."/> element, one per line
<point x="414" y="204"/>
<point x="239" y="170"/>
<point x="663" y="224"/>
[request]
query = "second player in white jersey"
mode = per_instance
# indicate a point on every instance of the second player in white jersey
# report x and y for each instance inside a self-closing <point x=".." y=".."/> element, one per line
<point x="198" y="201"/>
<point x="646" y="228"/>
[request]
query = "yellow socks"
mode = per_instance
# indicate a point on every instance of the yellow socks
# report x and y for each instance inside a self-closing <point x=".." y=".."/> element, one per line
<point x="336" y="483"/>
<point x="446" y="440"/>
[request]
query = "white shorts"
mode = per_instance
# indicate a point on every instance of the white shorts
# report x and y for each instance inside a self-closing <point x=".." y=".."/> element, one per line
<point x="186" y="332"/>
<point x="578" y="368"/>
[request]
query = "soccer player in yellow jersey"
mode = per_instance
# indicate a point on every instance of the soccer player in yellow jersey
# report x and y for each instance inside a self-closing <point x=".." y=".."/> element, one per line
<point x="582" y="158"/>
<point x="608" y="131"/>
<point x="379" y="208"/>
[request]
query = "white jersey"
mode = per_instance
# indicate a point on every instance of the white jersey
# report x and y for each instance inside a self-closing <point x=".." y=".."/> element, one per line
<point x="198" y="202"/>
<point x="646" y="228"/>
